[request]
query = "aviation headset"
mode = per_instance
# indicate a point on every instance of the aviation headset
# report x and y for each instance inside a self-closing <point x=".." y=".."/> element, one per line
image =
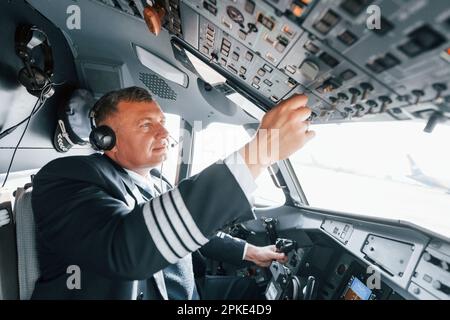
<point x="102" y="138"/>
<point x="32" y="77"/>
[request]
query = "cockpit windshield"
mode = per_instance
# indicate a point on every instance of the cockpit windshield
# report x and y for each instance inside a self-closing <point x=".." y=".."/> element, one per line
<point x="390" y="170"/>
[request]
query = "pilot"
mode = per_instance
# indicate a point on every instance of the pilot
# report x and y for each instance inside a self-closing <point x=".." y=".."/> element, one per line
<point x="104" y="231"/>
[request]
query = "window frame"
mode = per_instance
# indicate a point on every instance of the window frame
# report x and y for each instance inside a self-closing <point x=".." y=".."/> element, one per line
<point x="274" y="172"/>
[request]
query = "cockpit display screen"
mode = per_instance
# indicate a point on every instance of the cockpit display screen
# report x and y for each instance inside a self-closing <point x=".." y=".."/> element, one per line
<point x="357" y="290"/>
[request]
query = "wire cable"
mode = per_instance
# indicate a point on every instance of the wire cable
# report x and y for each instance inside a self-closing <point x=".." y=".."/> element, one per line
<point x="39" y="103"/>
<point x="5" y="132"/>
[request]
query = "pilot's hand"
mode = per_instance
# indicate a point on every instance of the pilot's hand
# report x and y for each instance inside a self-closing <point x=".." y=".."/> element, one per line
<point x="263" y="256"/>
<point x="283" y="131"/>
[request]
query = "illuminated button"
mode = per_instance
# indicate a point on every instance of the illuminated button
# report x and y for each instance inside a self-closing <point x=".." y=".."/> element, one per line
<point x="232" y="69"/>
<point x="249" y="56"/>
<point x="255" y="86"/>
<point x="427" y="278"/>
<point x="282" y="43"/>
<point x="280" y="47"/>
<point x="267" y="68"/>
<point x="205" y="50"/>
<point x="296" y="10"/>
<point x="290" y="69"/>
<point x="242" y="34"/>
<point x="209" y="38"/>
<point x="261" y="72"/>
<point x="311" y="47"/>
<point x="266" y="22"/>
<point x="446" y="55"/>
<point x="211" y="8"/>
<point x="288" y="31"/>
<point x="270" y="57"/>
<point x="224" y="52"/>
<point x="226" y="43"/>
<point x="291" y="83"/>
<point x="250" y="6"/>
<point x="269" y="40"/>
<point x="309" y="69"/>
<point x="274" y="98"/>
<point x="210" y="33"/>
<point x="242" y="70"/>
<point x="226" y="23"/>
<point x="256" y="80"/>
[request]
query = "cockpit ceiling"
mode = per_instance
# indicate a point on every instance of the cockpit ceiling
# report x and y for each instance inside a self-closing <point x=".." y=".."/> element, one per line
<point x="354" y="64"/>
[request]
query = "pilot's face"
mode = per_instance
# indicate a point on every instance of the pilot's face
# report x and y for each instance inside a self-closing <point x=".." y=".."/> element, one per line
<point x="141" y="138"/>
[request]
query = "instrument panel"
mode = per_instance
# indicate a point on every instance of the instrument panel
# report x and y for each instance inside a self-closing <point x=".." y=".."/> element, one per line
<point x="326" y="49"/>
<point x="357" y="60"/>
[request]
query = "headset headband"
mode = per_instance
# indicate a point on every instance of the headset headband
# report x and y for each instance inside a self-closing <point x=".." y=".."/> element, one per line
<point x="29" y="37"/>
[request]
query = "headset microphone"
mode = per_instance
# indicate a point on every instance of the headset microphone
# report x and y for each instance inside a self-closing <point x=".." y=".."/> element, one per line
<point x="174" y="142"/>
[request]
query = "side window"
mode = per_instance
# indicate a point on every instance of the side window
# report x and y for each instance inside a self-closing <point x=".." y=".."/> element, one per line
<point x="170" y="166"/>
<point x="219" y="140"/>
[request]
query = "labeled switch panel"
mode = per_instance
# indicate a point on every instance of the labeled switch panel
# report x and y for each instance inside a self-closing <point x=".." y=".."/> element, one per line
<point x="339" y="230"/>
<point x="393" y="69"/>
<point x="432" y="274"/>
<point x="241" y="62"/>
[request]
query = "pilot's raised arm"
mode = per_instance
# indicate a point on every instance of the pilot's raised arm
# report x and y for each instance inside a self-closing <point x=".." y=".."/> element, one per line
<point x="91" y="213"/>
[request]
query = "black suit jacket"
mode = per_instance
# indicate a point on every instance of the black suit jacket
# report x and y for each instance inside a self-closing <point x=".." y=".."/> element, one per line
<point x="87" y="215"/>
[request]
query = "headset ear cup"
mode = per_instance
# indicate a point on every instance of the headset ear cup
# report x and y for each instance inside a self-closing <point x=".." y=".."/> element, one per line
<point x="102" y="138"/>
<point x="35" y="82"/>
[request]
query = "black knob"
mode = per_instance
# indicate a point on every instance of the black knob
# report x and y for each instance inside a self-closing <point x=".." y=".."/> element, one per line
<point x="367" y="87"/>
<point x="439" y="87"/>
<point x="355" y="93"/>
<point x="359" y="109"/>
<point x="252" y="27"/>
<point x="333" y="100"/>
<point x="342" y="96"/>
<point x="418" y="94"/>
<point x="348" y="109"/>
<point x="385" y="101"/>
<point x="372" y="105"/>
